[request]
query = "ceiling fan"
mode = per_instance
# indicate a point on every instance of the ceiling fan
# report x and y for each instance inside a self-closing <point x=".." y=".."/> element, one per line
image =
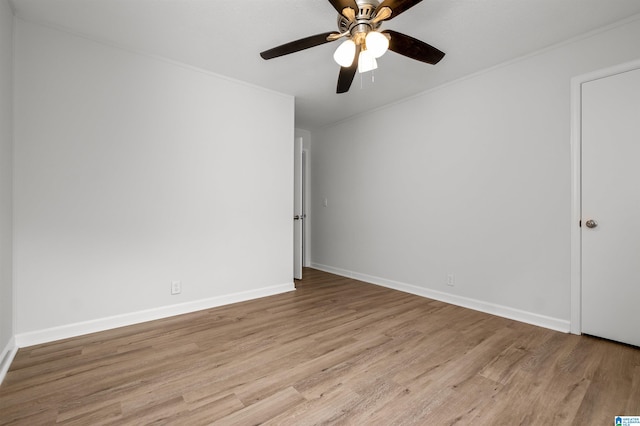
<point x="359" y="22"/>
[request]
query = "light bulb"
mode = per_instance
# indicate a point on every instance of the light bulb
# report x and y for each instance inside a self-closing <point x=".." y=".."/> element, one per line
<point x="366" y="62"/>
<point x="345" y="53"/>
<point x="376" y="43"/>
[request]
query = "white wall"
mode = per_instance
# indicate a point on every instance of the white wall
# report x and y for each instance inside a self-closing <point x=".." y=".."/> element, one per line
<point x="6" y="201"/>
<point x="472" y="178"/>
<point x="131" y="172"/>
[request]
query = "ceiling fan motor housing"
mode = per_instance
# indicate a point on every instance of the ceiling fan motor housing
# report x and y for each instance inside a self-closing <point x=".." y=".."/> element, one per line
<point x="362" y="24"/>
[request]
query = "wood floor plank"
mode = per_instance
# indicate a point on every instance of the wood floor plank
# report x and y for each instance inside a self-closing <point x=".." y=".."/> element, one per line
<point x="465" y="401"/>
<point x="253" y="391"/>
<point x="101" y="414"/>
<point x="633" y="399"/>
<point x="206" y="411"/>
<point x="612" y="384"/>
<point x="265" y="409"/>
<point x="324" y="409"/>
<point x="335" y="351"/>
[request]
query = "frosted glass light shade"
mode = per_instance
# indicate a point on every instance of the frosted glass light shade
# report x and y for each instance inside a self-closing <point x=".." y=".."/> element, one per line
<point x="345" y="53"/>
<point x="366" y="62"/>
<point x="376" y="43"/>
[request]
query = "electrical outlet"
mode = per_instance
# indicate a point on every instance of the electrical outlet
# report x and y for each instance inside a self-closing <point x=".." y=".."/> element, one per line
<point x="451" y="280"/>
<point x="176" y="287"/>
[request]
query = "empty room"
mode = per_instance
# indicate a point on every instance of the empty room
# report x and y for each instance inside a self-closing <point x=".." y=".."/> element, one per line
<point x="306" y="212"/>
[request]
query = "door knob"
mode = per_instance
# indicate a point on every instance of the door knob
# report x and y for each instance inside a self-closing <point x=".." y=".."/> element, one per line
<point x="591" y="223"/>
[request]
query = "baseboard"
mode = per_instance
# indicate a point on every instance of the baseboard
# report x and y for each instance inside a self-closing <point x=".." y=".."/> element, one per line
<point x="8" y="353"/>
<point x="477" y="305"/>
<point x="78" y="329"/>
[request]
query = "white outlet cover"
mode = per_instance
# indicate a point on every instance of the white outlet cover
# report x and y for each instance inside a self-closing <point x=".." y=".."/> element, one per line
<point x="451" y="279"/>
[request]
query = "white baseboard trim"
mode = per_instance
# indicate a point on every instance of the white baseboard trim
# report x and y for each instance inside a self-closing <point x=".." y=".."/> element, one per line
<point x="78" y="329"/>
<point x="477" y="305"/>
<point x="8" y="353"/>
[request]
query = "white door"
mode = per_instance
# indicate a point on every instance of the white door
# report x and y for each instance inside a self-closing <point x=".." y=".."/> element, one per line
<point x="611" y="207"/>
<point x="298" y="215"/>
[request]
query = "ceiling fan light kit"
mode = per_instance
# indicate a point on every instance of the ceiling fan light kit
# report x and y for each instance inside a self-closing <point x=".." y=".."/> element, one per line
<point x="376" y="43"/>
<point x="345" y="53"/>
<point x="366" y="61"/>
<point x="359" y="21"/>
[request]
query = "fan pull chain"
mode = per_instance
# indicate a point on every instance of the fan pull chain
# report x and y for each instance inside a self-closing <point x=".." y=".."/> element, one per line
<point x="373" y="79"/>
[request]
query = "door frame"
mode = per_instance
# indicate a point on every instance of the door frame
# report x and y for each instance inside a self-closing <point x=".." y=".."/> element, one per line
<point x="576" y="183"/>
<point x="298" y="203"/>
<point x="305" y="195"/>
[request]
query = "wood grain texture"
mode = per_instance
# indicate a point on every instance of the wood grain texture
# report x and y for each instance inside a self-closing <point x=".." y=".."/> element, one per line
<point x="335" y="351"/>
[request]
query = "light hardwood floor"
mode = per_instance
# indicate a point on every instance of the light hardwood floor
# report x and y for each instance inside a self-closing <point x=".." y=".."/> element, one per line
<point x="335" y="351"/>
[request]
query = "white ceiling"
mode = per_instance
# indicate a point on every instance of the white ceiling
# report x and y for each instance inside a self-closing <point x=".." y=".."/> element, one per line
<point x="226" y="37"/>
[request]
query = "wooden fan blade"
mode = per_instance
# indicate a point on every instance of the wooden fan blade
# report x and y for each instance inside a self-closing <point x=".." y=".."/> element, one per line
<point x="345" y="78"/>
<point x="413" y="48"/>
<point x="341" y="5"/>
<point x="298" y="45"/>
<point x="397" y="6"/>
